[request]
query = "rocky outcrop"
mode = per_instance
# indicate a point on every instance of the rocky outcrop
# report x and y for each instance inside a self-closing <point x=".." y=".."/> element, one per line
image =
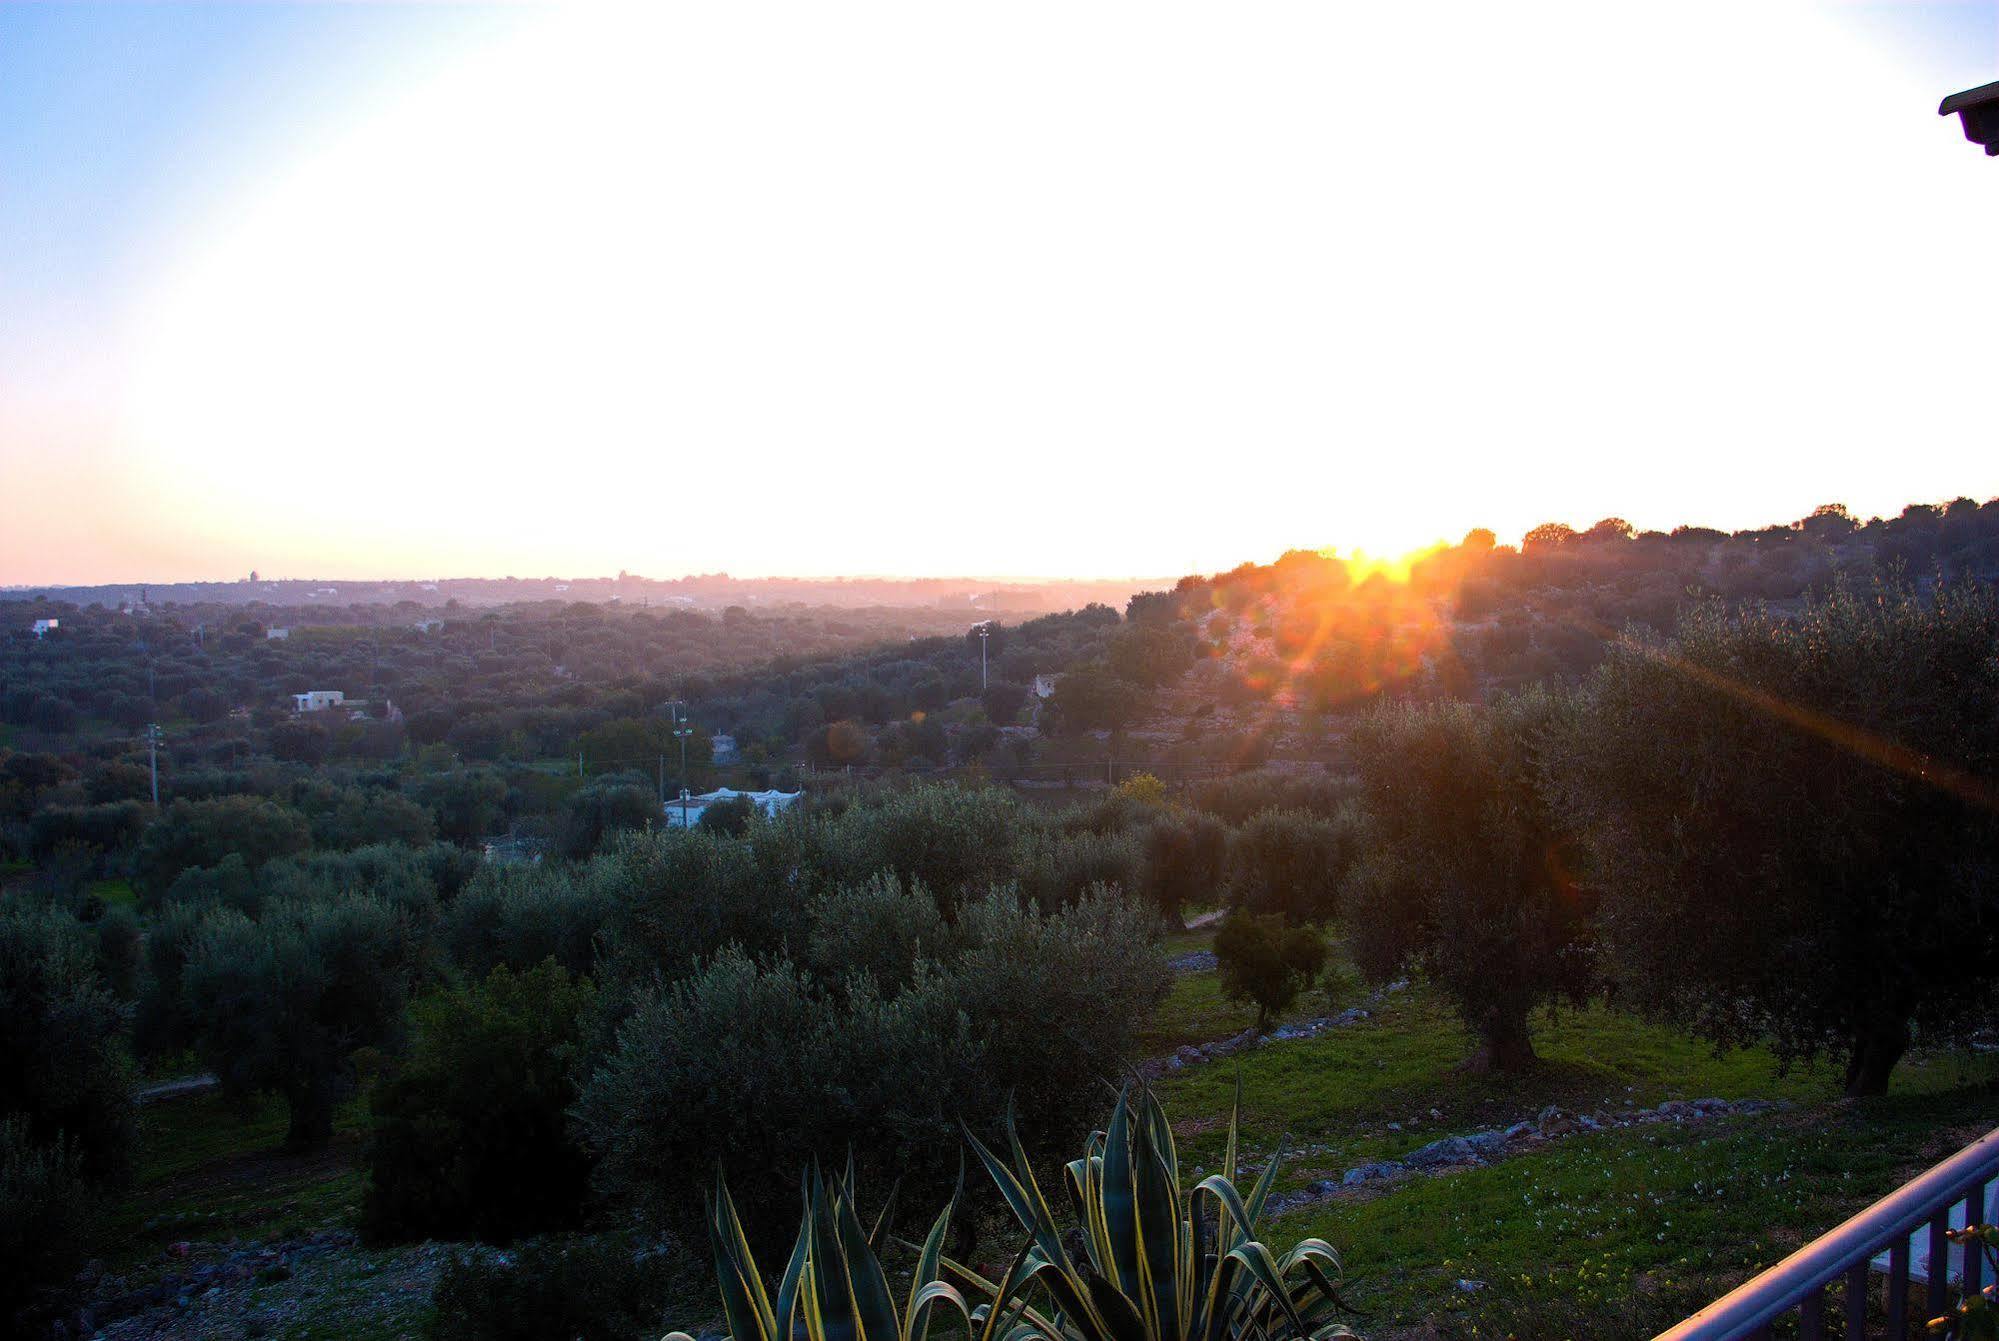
<point x="1193" y="1054"/>
<point x="1553" y="1123"/>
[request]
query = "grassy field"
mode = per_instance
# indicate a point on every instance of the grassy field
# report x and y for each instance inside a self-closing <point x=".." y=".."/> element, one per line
<point x="209" y="1168"/>
<point x="1600" y="1235"/>
<point x="1605" y="1235"/>
<point x="115" y="893"/>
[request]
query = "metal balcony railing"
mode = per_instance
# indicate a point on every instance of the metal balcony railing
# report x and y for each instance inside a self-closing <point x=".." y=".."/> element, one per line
<point x="1829" y="1285"/>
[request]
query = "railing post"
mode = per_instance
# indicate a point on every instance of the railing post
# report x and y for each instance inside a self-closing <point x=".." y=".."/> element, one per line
<point x="1811" y="1316"/>
<point x="1898" y="1290"/>
<point x="1974" y="1260"/>
<point x="1939" y="1253"/>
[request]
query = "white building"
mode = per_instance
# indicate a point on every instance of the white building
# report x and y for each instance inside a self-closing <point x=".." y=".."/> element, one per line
<point x="687" y="813"/>
<point x="723" y="748"/>
<point x="317" y="700"/>
<point x="43" y="626"/>
<point x="1044" y="685"/>
<point x="276" y="635"/>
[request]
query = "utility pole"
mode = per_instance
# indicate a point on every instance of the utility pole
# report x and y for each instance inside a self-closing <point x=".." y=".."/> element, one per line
<point x="682" y="730"/>
<point x="985" y="632"/>
<point x="153" y="758"/>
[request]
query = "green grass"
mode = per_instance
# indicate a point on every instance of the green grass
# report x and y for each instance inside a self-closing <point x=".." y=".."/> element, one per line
<point x="1598" y="1235"/>
<point x="115" y="893"/>
<point x="209" y="1168"/>
<point x="1608" y="1235"/>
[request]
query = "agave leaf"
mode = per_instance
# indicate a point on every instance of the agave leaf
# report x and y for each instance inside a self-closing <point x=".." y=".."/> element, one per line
<point x="1235" y="1214"/>
<point x="887" y="1215"/>
<point x="1262" y="1268"/>
<point x="916" y="1317"/>
<point x="1158" y="1216"/>
<point x="1025" y="1206"/>
<point x="1000" y="1297"/>
<point x="743" y="1299"/>
<point x="1235" y="1120"/>
<point x="1119" y="1199"/>
<point x="1070" y="1295"/>
<point x="1121" y="1321"/>
<point x="1259" y="1194"/>
<point x="832" y="1313"/>
<point x="1310" y="1250"/>
<point x="921" y="1302"/>
<point x="874" y="1306"/>
<point x="1052" y="1246"/>
<point x="794" y="1277"/>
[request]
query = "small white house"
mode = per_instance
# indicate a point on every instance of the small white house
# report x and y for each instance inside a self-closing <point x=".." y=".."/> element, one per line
<point x="686" y="813"/>
<point x="44" y="626"/>
<point x="723" y="747"/>
<point x="277" y="635"/>
<point x="1044" y="685"/>
<point x="317" y="700"/>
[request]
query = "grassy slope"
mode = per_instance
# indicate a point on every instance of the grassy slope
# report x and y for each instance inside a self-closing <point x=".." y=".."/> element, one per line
<point x="1647" y="1223"/>
<point x="1599" y="1236"/>
<point x="211" y="1169"/>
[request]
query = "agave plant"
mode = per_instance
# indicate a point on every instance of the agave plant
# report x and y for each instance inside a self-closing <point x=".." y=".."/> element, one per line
<point x="833" y="1288"/>
<point x="1155" y="1264"/>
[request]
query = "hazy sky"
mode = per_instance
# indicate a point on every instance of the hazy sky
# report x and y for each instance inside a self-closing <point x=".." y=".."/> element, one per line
<point x="1018" y="288"/>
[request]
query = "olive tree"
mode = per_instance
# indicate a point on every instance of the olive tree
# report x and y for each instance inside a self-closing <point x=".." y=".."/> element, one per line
<point x="1467" y="880"/>
<point x="1793" y="821"/>
<point x="280" y="1005"/>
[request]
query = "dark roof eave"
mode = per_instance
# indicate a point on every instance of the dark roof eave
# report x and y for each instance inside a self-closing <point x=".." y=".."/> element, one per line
<point x="1971" y="97"/>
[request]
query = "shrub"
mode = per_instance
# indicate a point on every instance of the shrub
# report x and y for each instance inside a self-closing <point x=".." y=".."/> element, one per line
<point x="111" y="827"/>
<point x="949" y="839"/>
<point x="522" y="915"/>
<point x="468" y="803"/>
<point x="676" y="896"/>
<point x="595" y="812"/>
<point x="202" y="833"/>
<point x="471" y="1132"/>
<point x="361" y="816"/>
<point x="1054" y="1003"/>
<point x="63" y="1067"/>
<point x="1267" y="963"/>
<point x="731" y="817"/>
<point x="877" y="927"/>
<point x="757" y="1067"/>
<point x="1239" y="796"/>
<point x="120" y="952"/>
<point x="1291" y="863"/>
<point x="163" y="1025"/>
<point x="280" y="1005"/>
<point x="761" y="1065"/>
<point x="394" y="873"/>
<point x="45" y="1210"/>
<point x="1060" y="869"/>
<point x="577" y="1287"/>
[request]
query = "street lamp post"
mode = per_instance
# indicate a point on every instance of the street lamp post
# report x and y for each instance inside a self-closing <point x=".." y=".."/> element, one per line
<point x="681" y="730"/>
<point x="985" y="632"/>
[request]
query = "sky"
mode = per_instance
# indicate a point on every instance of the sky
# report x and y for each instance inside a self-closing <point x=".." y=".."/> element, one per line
<point x="1037" y="289"/>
